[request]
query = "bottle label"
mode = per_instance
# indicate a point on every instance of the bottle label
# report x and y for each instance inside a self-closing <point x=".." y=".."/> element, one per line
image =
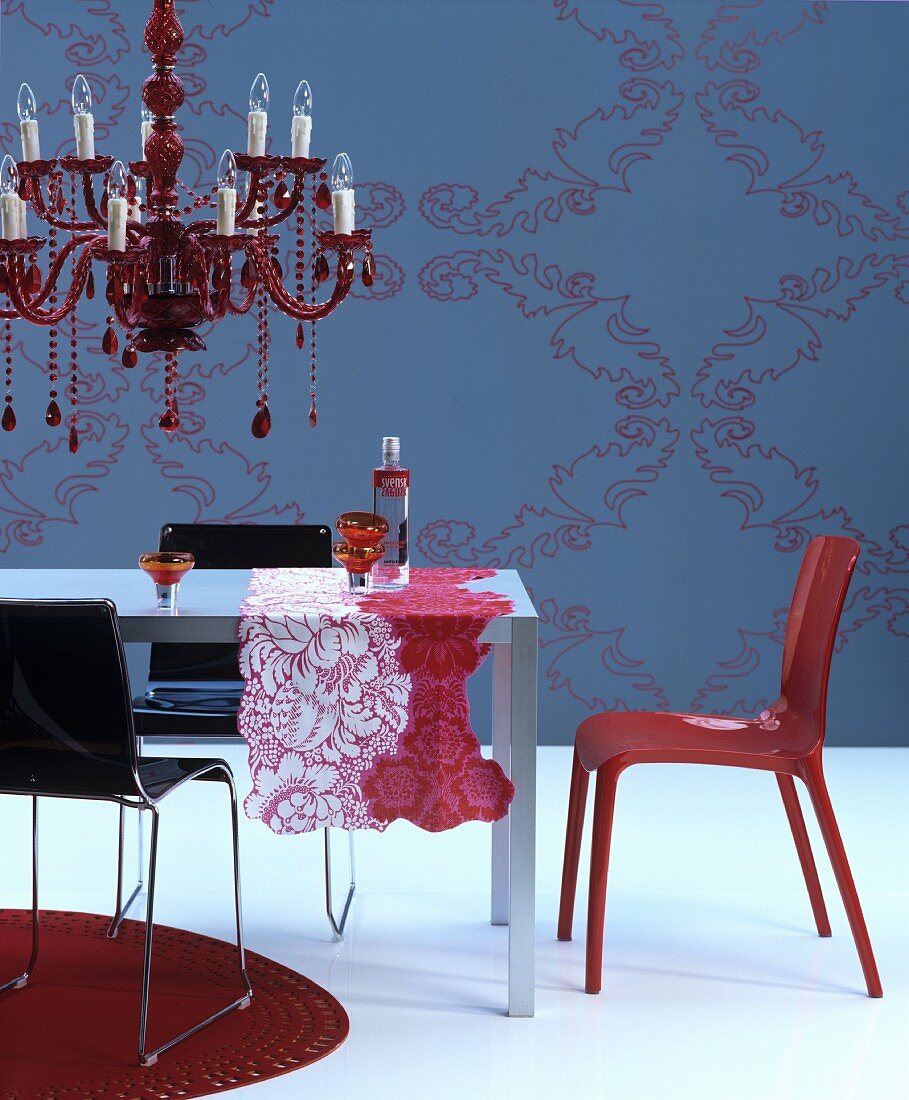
<point x="391" y="484"/>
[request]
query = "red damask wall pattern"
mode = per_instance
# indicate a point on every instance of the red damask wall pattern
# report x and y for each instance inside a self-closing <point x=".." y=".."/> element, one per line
<point x="639" y="317"/>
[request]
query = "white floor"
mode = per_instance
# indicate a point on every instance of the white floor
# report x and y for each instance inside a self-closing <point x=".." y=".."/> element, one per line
<point x="715" y="985"/>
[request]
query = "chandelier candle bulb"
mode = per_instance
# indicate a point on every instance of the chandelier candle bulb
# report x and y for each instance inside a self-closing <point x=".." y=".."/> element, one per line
<point x="227" y="194"/>
<point x="257" y="119"/>
<point x="134" y="214"/>
<point x="147" y="127"/>
<point x="301" y="124"/>
<point x="83" y="119"/>
<point x="28" y="124"/>
<point x="9" y="200"/>
<point x="116" y="208"/>
<point x="342" y="195"/>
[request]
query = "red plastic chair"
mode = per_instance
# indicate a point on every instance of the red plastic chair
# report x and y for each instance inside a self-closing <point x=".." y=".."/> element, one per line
<point x="786" y="739"/>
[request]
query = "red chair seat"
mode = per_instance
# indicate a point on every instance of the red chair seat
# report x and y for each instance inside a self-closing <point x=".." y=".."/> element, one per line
<point x="637" y="737"/>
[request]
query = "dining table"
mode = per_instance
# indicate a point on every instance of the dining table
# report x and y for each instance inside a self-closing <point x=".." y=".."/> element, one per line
<point x="209" y="611"/>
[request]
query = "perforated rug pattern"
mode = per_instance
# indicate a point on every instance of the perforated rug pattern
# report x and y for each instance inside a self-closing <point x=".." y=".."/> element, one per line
<point x="72" y="1033"/>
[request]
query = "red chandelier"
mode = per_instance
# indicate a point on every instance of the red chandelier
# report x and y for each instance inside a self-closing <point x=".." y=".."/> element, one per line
<point x="171" y="274"/>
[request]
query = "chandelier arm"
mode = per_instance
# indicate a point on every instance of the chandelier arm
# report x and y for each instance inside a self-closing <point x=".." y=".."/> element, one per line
<point x="214" y="309"/>
<point x="281" y="216"/>
<point x="131" y="316"/>
<point x="53" y="316"/>
<point x="88" y="193"/>
<point x="53" y="274"/>
<point x="303" y="311"/>
<point x="252" y="197"/>
<point x="245" y="306"/>
<point x="45" y="215"/>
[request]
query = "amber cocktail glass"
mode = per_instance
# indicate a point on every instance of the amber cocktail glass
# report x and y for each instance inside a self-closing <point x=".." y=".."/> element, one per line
<point x="166" y="569"/>
<point x="362" y="547"/>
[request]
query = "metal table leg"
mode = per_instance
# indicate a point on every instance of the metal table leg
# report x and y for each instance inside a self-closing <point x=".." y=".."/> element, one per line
<point x="337" y="926"/>
<point x="501" y="753"/>
<point x="522" y="818"/>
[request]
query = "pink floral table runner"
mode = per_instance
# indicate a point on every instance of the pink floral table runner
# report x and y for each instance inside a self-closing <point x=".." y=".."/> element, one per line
<point x="355" y="710"/>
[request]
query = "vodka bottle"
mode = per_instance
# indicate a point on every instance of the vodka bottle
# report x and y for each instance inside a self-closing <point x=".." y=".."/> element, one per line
<point x="390" y="498"/>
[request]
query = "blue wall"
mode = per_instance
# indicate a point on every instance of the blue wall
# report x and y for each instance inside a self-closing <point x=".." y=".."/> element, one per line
<point x="640" y="321"/>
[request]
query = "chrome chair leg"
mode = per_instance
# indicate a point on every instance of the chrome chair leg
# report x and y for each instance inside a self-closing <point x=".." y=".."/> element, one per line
<point x="338" y="926"/>
<point x="150" y="1058"/>
<point x="120" y="909"/>
<point x="22" y="980"/>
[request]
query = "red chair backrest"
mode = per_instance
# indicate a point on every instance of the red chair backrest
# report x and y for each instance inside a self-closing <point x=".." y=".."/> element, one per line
<point x="814" y="616"/>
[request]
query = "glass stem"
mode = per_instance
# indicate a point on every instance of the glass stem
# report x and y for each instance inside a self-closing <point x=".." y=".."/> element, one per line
<point x="167" y="596"/>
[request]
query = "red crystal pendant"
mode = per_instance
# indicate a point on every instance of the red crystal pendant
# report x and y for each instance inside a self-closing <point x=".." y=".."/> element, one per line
<point x="52" y="415"/>
<point x="323" y="197"/>
<point x="109" y="292"/>
<point x="301" y="339"/>
<point x="282" y="196"/>
<point x="61" y="202"/>
<point x="313" y="415"/>
<point x="4" y="279"/>
<point x="321" y="269"/>
<point x="261" y="424"/>
<point x="33" y="279"/>
<point x="369" y="270"/>
<point x="110" y="343"/>
<point x="249" y="275"/>
<point x="168" y="422"/>
<point x="8" y="420"/>
<point x="90" y="285"/>
<point x="73" y="440"/>
<point x="130" y="356"/>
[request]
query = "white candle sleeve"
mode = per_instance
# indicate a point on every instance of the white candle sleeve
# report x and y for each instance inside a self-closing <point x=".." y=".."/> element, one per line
<point x="116" y="225"/>
<point x="227" y="211"/>
<point x="300" y="131"/>
<point x="9" y="211"/>
<point x="31" y="148"/>
<point x="146" y="134"/>
<point x="84" y="125"/>
<point x="23" y="222"/>
<point x="256" y="129"/>
<point x="344" y="210"/>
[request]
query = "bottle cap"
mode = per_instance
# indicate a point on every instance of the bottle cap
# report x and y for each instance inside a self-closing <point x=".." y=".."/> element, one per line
<point x="391" y="448"/>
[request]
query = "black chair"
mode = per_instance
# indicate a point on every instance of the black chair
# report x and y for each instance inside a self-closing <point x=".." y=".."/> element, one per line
<point x="194" y="690"/>
<point x="53" y="652"/>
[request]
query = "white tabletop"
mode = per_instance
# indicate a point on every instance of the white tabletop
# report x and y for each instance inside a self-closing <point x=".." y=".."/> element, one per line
<point x="208" y="604"/>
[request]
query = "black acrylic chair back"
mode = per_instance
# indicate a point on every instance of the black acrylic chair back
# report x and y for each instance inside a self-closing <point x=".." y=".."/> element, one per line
<point x="232" y="546"/>
<point x="66" y="725"/>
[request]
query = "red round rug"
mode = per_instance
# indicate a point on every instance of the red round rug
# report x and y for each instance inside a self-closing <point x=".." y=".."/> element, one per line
<point x="72" y="1032"/>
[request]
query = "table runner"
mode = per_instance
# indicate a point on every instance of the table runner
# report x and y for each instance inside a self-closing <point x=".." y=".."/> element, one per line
<point x="355" y="709"/>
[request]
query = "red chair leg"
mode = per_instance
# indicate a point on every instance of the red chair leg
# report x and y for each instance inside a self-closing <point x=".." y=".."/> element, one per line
<point x="603" y="807"/>
<point x="803" y="847"/>
<point x="813" y="773"/>
<point x="577" y="803"/>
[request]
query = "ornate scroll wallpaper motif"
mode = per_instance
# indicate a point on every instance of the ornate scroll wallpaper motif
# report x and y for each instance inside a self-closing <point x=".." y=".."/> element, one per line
<point x="639" y="317"/>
